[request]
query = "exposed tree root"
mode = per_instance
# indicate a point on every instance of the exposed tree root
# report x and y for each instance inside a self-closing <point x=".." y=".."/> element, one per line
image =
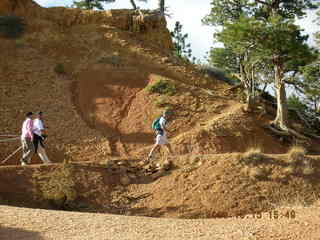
<point x="240" y="85"/>
<point x="312" y="135"/>
<point x="287" y="132"/>
<point x="276" y="131"/>
<point x="298" y="135"/>
<point x="303" y="119"/>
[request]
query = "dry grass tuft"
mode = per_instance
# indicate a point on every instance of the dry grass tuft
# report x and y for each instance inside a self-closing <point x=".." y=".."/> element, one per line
<point x="296" y="200"/>
<point x="296" y="155"/>
<point x="253" y="156"/>
<point x="58" y="185"/>
<point x="299" y="162"/>
<point x="290" y="170"/>
<point x="246" y="170"/>
<point x="257" y="173"/>
<point x="308" y="170"/>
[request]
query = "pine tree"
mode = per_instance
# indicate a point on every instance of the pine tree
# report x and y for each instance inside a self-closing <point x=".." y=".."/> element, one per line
<point x="91" y="4"/>
<point x="97" y="4"/>
<point x="161" y="4"/>
<point x="264" y="30"/>
<point x="311" y="78"/>
<point x="226" y="12"/>
<point x="181" y="48"/>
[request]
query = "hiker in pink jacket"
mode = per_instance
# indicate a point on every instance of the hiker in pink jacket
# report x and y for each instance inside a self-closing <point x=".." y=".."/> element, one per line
<point x="27" y="140"/>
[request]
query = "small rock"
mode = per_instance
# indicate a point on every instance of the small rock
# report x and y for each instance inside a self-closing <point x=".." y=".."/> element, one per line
<point x="125" y="180"/>
<point x="165" y="60"/>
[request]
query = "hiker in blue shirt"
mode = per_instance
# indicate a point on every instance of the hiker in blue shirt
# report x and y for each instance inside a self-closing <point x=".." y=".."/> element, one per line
<point x="159" y="125"/>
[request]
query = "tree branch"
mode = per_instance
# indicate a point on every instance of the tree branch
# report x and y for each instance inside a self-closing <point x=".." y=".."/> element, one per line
<point x="264" y="3"/>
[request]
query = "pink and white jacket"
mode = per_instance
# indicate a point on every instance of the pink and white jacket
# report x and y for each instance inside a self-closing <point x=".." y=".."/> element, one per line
<point x="27" y="127"/>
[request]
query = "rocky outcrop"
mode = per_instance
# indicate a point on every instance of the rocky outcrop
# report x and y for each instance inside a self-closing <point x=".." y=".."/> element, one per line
<point x="25" y="8"/>
<point x="151" y="28"/>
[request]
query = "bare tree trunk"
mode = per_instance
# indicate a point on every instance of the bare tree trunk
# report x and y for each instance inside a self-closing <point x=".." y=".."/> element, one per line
<point x="281" y="119"/>
<point x="248" y="82"/>
<point x="250" y="100"/>
<point x="161" y="6"/>
<point x="133" y="4"/>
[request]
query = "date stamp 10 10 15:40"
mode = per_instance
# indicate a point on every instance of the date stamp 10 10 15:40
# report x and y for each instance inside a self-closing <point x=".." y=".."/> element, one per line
<point x="272" y="215"/>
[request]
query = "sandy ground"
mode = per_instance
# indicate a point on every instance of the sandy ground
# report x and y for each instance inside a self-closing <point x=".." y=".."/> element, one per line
<point x="36" y="224"/>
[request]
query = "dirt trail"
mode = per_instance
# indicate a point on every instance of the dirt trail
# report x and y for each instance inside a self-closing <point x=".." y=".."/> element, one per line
<point x="36" y="224"/>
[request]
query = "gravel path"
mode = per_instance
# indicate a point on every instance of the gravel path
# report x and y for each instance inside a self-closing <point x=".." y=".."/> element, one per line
<point x="36" y="224"/>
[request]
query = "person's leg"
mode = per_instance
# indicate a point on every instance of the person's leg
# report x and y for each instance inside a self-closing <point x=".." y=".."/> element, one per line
<point x="35" y="142"/>
<point x="42" y="154"/>
<point x="169" y="149"/>
<point x="24" y="151"/>
<point x="154" y="148"/>
<point x="30" y="150"/>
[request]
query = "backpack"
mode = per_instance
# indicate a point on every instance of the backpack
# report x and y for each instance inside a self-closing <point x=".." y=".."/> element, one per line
<point x="156" y="124"/>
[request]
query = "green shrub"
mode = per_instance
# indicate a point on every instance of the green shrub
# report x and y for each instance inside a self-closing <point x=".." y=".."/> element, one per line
<point x="20" y="43"/>
<point x="162" y="87"/>
<point x="59" y="68"/>
<point x="11" y="26"/>
<point x="161" y="102"/>
<point x="217" y="74"/>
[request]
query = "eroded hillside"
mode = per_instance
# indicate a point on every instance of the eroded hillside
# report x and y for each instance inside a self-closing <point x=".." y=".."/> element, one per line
<point x="97" y="106"/>
<point x="89" y="71"/>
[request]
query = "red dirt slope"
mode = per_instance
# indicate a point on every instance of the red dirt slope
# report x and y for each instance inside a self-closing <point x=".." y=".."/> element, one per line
<point x="99" y="107"/>
<point x="203" y="186"/>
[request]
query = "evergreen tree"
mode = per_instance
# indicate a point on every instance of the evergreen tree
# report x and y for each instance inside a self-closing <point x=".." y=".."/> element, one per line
<point x="181" y="48"/>
<point x="90" y="4"/>
<point x="226" y="12"/>
<point x="264" y="31"/>
<point x="311" y="81"/>
<point x="161" y="4"/>
<point x="311" y="78"/>
<point x="224" y="59"/>
<point x="97" y="4"/>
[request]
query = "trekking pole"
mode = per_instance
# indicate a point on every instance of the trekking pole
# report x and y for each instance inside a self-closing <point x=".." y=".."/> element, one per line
<point x="11" y="155"/>
<point x="9" y="139"/>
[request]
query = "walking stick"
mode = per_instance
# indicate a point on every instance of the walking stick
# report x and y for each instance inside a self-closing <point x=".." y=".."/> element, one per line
<point x="11" y="155"/>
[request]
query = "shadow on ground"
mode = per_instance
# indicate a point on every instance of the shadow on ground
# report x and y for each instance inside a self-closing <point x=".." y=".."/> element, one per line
<point x="17" y="233"/>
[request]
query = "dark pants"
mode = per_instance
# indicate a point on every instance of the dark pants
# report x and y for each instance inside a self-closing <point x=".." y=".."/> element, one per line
<point x="36" y="141"/>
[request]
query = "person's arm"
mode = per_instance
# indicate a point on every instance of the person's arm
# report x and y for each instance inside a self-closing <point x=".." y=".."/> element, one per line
<point x="164" y="127"/>
<point x="41" y="127"/>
